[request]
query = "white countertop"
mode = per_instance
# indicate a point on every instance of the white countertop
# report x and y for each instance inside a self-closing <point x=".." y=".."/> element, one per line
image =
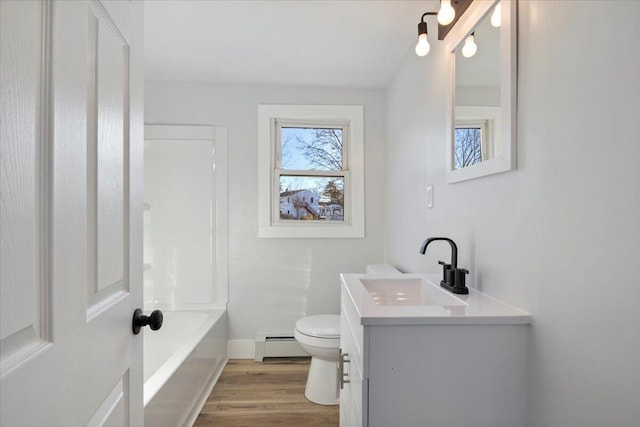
<point x="479" y="309"/>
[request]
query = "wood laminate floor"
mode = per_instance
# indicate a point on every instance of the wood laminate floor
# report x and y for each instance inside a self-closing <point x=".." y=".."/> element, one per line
<point x="271" y="393"/>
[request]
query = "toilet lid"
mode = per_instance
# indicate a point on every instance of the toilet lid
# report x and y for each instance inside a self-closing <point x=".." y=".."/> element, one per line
<point x="320" y="325"/>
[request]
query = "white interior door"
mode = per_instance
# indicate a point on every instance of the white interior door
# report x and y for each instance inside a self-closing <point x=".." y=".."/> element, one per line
<point x="71" y="212"/>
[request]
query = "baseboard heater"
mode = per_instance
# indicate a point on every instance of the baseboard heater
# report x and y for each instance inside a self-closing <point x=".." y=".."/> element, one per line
<point x="277" y="345"/>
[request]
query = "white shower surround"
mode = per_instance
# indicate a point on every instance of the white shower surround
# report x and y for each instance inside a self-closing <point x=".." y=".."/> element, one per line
<point x="186" y="217"/>
<point x="186" y="268"/>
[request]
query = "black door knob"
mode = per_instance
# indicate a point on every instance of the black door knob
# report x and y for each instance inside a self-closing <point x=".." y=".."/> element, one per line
<point x="154" y="320"/>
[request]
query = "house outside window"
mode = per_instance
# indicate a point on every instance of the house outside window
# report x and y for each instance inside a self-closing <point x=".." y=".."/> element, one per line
<point x="311" y="171"/>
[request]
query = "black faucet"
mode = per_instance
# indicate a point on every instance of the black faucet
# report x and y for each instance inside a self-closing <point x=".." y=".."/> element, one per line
<point x="453" y="278"/>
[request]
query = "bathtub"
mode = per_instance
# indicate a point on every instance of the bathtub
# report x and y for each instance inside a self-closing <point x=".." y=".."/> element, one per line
<point x="182" y="362"/>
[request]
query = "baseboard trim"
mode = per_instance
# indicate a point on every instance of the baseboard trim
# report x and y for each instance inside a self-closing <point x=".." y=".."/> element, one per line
<point x="241" y="349"/>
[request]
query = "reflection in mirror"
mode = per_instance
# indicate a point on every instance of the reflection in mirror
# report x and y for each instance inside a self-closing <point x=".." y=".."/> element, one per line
<point x="481" y="114"/>
<point x="477" y="96"/>
<point x="476" y="134"/>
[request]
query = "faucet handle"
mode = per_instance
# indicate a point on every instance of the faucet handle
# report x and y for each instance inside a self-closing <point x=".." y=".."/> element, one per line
<point x="459" y="279"/>
<point x="447" y="273"/>
<point x="446" y="269"/>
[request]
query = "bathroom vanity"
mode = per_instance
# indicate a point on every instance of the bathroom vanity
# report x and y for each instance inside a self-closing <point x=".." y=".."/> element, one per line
<point x="413" y="354"/>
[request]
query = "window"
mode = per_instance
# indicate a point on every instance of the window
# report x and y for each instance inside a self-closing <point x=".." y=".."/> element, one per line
<point x="470" y="138"/>
<point x="311" y="177"/>
<point x="310" y="164"/>
<point x="474" y="139"/>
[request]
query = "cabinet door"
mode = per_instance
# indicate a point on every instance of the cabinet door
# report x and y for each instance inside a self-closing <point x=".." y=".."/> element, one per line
<point x="351" y="389"/>
<point x="352" y="392"/>
<point x="346" y="409"/>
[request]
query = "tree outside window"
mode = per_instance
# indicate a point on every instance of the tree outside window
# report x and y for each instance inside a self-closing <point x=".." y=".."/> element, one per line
<point x="468" y="146"/>
<point x="312" y="160"/>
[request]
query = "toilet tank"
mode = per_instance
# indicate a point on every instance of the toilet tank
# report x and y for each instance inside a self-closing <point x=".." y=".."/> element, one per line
<point x="385" y="269"/>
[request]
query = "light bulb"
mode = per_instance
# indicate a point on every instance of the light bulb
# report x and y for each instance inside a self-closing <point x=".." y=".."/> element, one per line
<point x="446" y="13"/>
<point x="496" y="16"/>
<point x="422" y="47"/>
<point x="469" y="49"/>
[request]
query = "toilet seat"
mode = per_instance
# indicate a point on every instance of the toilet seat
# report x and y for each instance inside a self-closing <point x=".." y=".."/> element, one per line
<point x="321" y="330"/>
<point x="331" y="343"/>
<point x="320" y="326"/>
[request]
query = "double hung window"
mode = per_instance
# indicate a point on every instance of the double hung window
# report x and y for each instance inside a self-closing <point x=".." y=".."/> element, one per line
<point x="311" y="171"/>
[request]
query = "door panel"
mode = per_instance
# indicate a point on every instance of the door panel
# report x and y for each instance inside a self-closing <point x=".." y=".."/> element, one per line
<point x="24" y="277"/>
<point x="112" y="412"/>
<point x="71" y="213"/>
<point x="107" y="151"/>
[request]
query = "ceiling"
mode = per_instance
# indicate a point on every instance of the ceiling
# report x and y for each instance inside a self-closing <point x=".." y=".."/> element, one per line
<point x="339" y="43"/>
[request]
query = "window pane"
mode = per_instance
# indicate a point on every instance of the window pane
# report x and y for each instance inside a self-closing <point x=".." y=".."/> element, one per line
<point x="311" y="148"/>
<point x="311" y="198"/>
<point x="468" y="146"/>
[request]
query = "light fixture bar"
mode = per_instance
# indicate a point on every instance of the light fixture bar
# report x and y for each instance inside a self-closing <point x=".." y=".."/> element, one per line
<point x="450" y="12"/>
<point x="459" y="6"/>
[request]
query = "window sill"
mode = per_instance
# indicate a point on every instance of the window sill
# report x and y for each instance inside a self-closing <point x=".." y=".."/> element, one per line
<point x="311" y="231"/>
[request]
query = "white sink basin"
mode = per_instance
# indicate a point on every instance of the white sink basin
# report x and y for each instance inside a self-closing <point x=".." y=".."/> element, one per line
<point x="409" y="291"/>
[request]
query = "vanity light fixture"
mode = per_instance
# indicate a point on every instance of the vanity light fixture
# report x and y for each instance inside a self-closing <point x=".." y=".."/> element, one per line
<point x="470" y="47"/>
<point x="450" y="11"/>
<point x="496" y="16"/>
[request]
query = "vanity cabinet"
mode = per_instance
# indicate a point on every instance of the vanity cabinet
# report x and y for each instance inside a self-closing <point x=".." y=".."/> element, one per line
<point x="462" y="369"/>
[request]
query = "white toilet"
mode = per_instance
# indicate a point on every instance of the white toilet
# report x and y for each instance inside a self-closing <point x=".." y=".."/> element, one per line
<point x="319" y="337"/>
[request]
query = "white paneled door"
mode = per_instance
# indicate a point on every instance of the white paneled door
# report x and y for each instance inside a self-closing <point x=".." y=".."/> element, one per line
<point x="71" y="212"/>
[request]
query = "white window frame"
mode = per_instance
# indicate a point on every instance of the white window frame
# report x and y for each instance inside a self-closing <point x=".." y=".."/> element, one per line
<point x="489" y="165"/>
<point x="270" y="119"/>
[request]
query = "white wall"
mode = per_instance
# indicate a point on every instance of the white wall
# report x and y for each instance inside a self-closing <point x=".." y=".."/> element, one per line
<point x="273" y="282"/>
<point x="560" y="236"/>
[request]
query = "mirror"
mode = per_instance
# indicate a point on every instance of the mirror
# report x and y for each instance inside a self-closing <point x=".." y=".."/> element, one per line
<point x="481" y="115"/>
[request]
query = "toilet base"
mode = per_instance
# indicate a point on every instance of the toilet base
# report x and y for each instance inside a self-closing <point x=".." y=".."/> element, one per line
<point x="322" y="382"/>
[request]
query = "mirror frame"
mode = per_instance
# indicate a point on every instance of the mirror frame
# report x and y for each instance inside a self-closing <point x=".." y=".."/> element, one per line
<point x="506" y="161"/>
